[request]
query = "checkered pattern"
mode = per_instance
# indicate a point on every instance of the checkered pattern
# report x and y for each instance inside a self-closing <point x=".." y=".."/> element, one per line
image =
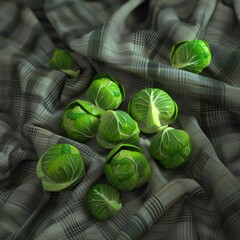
<point x="130" y="40"/>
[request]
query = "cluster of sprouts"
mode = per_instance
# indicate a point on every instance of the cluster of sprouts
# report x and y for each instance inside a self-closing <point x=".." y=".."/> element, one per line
<point x="151" y="111"/>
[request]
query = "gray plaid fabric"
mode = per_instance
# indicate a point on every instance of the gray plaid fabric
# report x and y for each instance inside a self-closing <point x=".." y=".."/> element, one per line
<point x="130" y="40"/>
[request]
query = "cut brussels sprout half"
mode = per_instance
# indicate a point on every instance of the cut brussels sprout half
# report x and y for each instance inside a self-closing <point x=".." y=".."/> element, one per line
<point x="117" y="127"/>
<point x="192" y="56"/>
<point x="171" y="147"/>
<point x="81" y="119"/>
<point x="63" y="61"/>
<point x="60" y="167"/>
<point x="153" y="109"/>
<point x="126" y="167"/>
<point x="105" y="92"/>
<point x="103" y="201"/>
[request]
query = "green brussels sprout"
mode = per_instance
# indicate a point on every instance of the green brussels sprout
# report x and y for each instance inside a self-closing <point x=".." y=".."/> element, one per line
<point x="171" y="147"/>
<point x="105" y="92"/>
<point x="81" y="119"/>
<point x="60" y="167"/>
<point x="103" y="201"/>
<point x="117" y="127"/>
<point x="63" y="61"/>
<point x="192" y="56"/>
<point x="126" y="167"/>
<point x="153" y="109"/>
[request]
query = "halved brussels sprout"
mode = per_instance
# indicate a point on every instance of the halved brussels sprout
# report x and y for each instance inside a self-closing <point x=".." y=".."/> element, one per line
<point x="126" y="167"/>
<point x="60" y="167"/>
<point x="103" y="201"/>
<point x="105" y="92"/>
<point x="81" y="119"/>
<point x="153" y="109"/>
<point x="192" y="56"/>
<point x="117" y="127"/>
<point x="171" y="147"/>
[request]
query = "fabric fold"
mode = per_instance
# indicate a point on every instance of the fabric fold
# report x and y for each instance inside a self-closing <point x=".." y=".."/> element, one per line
<point x="131" y="40"/>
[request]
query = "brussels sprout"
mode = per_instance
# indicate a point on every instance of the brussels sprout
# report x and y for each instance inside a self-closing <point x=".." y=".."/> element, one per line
<point x="117" y="127"/>
<point x="171" y="147"/>
<point x="126" y="167"/>
<point x="192" y="56"/>
<point x="105" y="92"/>
<point x="103" y="201"/>
<point x="153" y="109"/>
<point x="63" y="61"/>
<point x="81" y="119"/>
<point x="60" y="167"/>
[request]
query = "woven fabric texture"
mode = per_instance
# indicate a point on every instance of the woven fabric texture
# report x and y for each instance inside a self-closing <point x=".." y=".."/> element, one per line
<point x="130" y="40"/>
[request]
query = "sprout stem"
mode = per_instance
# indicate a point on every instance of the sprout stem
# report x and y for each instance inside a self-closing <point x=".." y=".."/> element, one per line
<point x="152" y="116"/>
<point x="71" y="73"/>
<point x="181" y="65"/>
<point x="114" y="207"/>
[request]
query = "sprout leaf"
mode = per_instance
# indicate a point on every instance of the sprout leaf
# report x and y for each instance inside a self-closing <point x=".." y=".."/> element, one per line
<point x="81" y="119"/>
<point x="153" y="109"/>
<point x="171" y="147"/>
<point x="192" y="56"/>
<point x="117" y="127"/>
<point x="103" y="201"/>
<point x="105" y="92"/>
<point x="60" y="167"/>
<point x="126" y="167"/>
<point x="63" y="61"/>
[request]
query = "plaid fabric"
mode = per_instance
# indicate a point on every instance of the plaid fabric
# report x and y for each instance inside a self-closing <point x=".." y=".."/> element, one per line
<point x="130" y="40"/>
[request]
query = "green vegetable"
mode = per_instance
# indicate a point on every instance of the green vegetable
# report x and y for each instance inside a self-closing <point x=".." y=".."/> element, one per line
<point x="171" y="147"/>
<point x="192" y="56"/>
<point x="103" y="201"/>
<point x="127" y="168"/>
<point x="63" y="61"/>
<point x="81" y="119"/>
<point x="60" y="167"/>
<point x="153" y="109"/>
<point x="117" y="127"/>
<point x="105" y="92"/>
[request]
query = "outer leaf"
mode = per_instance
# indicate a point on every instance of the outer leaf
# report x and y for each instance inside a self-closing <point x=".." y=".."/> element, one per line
<point x="81" y="119"/>
<point x="65" y="168"/>
<point x="60" y="167"/>
<point x="126" y="168"/>
<point x="179" y="159"/>
<point x="63" y="61"/>
<point x="103" y="201"/>
<point x="122" y="174"/>
<point x="153" y="109"/>
<point x="117" y="127"/>
<point x="82" y="128"/>
<point x="175" y="115"/>
<point x="120" y="147"/>
<point x="143" y="169"/>
<point x="51" y="186"/>
<point x="103" y="143"/>
<point x="171" y="147"/>
<point x="105" y="92"/>
<point x="110" y="77"/>
<point x="192" y="56"/>
<point x="74" y="113"/>
<point x="86" y="107"/>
